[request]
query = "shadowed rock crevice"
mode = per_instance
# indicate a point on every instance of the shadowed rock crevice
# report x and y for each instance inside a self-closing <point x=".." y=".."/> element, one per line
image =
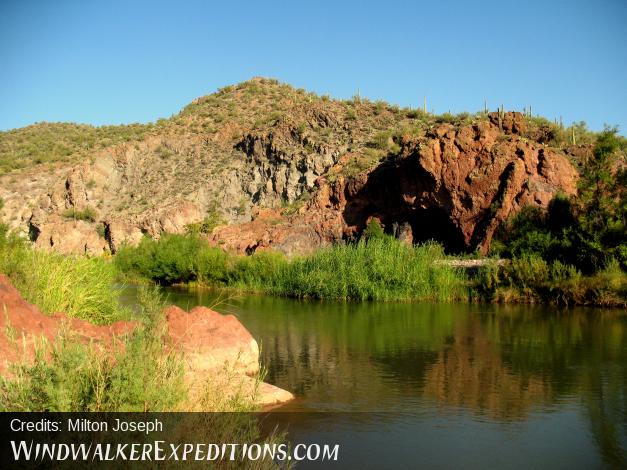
<point x="434" y="224"/>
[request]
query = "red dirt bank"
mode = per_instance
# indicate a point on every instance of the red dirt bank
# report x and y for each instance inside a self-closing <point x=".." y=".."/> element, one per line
<point x="209" y="341"/>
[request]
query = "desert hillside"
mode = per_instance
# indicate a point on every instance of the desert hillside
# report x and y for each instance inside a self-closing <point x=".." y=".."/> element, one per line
<point x="261" y="164"/>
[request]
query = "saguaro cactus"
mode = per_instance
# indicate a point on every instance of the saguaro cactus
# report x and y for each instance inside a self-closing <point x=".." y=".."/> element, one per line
<point x="501" y="117"/>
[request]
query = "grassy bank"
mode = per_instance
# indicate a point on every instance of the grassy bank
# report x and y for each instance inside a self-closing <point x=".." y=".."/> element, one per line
<point x="375" y="269"/>
<point x="70" y="375"/>
<point x="76" y="285"/>
<point x="379" y="268"/>
<point x="531" y="279"/>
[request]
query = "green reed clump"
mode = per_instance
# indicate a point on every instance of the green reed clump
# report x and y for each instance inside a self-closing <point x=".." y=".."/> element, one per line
<point x="376" y="269"/>
<point x="75" y="285"/>
<point x="257" y="272"/>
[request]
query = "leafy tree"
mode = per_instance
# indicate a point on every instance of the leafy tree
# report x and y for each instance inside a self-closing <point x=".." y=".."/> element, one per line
<point x="603" y="197"/>
<point x="587" y="231"/>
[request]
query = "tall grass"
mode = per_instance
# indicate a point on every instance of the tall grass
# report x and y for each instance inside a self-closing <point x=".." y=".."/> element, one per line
<point x="377" y="269"/>
<point x="380" y="268"/>
<point x="69" y="375"/>
<point x="78" y="286"/>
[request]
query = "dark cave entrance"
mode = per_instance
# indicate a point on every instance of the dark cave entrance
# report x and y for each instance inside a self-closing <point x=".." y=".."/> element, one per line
<point x="434" y="224"/>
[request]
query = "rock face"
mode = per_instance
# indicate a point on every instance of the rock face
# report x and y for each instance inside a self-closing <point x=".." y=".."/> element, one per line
<point x="456" y="185"/>
<point x="298" y="234"/>
<point x="213" y="346"/>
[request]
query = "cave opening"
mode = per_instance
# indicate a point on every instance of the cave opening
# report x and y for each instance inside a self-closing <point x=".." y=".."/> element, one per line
<point x="434" y="224"/>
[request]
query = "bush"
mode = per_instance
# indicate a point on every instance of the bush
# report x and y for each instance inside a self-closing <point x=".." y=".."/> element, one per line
<point x="382" y="140"/>
<point x="212" y="266"/>
<point x="554" y="234"/>
<point x="88" y="214"/>
<point x="171" y="259"/>
<point x="532" y="279"/>
<point x="373" y="230"/>
<point x="210" y="222"/>
<point x="528" y="271"/>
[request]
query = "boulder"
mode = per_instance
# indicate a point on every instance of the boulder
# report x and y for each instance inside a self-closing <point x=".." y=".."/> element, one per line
<point x="210" y="340"/>
<point x="221" y="357"/>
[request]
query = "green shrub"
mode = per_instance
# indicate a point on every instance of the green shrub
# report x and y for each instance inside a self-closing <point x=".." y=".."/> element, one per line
<point x="382" y="140"/>
<point x="171" y="259"/>
<point x="532" y="279"/>
<point x="101" y="230"/>
<point x="88" y="214"/>
<point x="210" y="222"/>
<point x="564" y="272"/>
<point x="373" y="230"/>
<point x="212" y="266"/>
<point x="528" y="271"/>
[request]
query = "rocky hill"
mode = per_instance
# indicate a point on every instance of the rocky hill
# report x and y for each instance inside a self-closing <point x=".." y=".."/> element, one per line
<point x="261" y="164"/>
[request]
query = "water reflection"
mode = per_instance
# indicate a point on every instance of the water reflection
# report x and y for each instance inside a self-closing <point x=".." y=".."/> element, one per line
<point x="498" y="364"/>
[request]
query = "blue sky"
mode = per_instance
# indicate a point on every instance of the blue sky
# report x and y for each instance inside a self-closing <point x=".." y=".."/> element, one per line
<point x="109" y="62"/>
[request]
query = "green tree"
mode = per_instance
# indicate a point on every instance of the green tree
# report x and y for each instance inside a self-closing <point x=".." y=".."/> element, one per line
<point x="603" y="198"/>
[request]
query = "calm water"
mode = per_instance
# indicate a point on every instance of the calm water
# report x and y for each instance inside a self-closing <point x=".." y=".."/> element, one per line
<point x="447" y="385"/>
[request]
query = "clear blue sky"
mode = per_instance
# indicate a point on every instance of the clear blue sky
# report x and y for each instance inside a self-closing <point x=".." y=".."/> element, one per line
<point x="106" y="62"/>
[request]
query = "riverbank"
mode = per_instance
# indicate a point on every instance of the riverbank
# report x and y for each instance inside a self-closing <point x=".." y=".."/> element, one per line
<point x="378" y="269"/>
<point x="101" y="356"/>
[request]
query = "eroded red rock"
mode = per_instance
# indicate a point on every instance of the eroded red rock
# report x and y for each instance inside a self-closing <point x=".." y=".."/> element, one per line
<point x="23" y="326"/>
<point x="213" y="346"/>
<point x="456" y="186"/>
<point x="210" y="340"/>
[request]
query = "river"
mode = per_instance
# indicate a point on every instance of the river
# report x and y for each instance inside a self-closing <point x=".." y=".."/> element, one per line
<point x="446" y="385"/>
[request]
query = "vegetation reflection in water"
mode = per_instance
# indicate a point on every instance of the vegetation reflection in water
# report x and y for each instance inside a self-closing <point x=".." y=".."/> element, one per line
<point x="501" y="364"/>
